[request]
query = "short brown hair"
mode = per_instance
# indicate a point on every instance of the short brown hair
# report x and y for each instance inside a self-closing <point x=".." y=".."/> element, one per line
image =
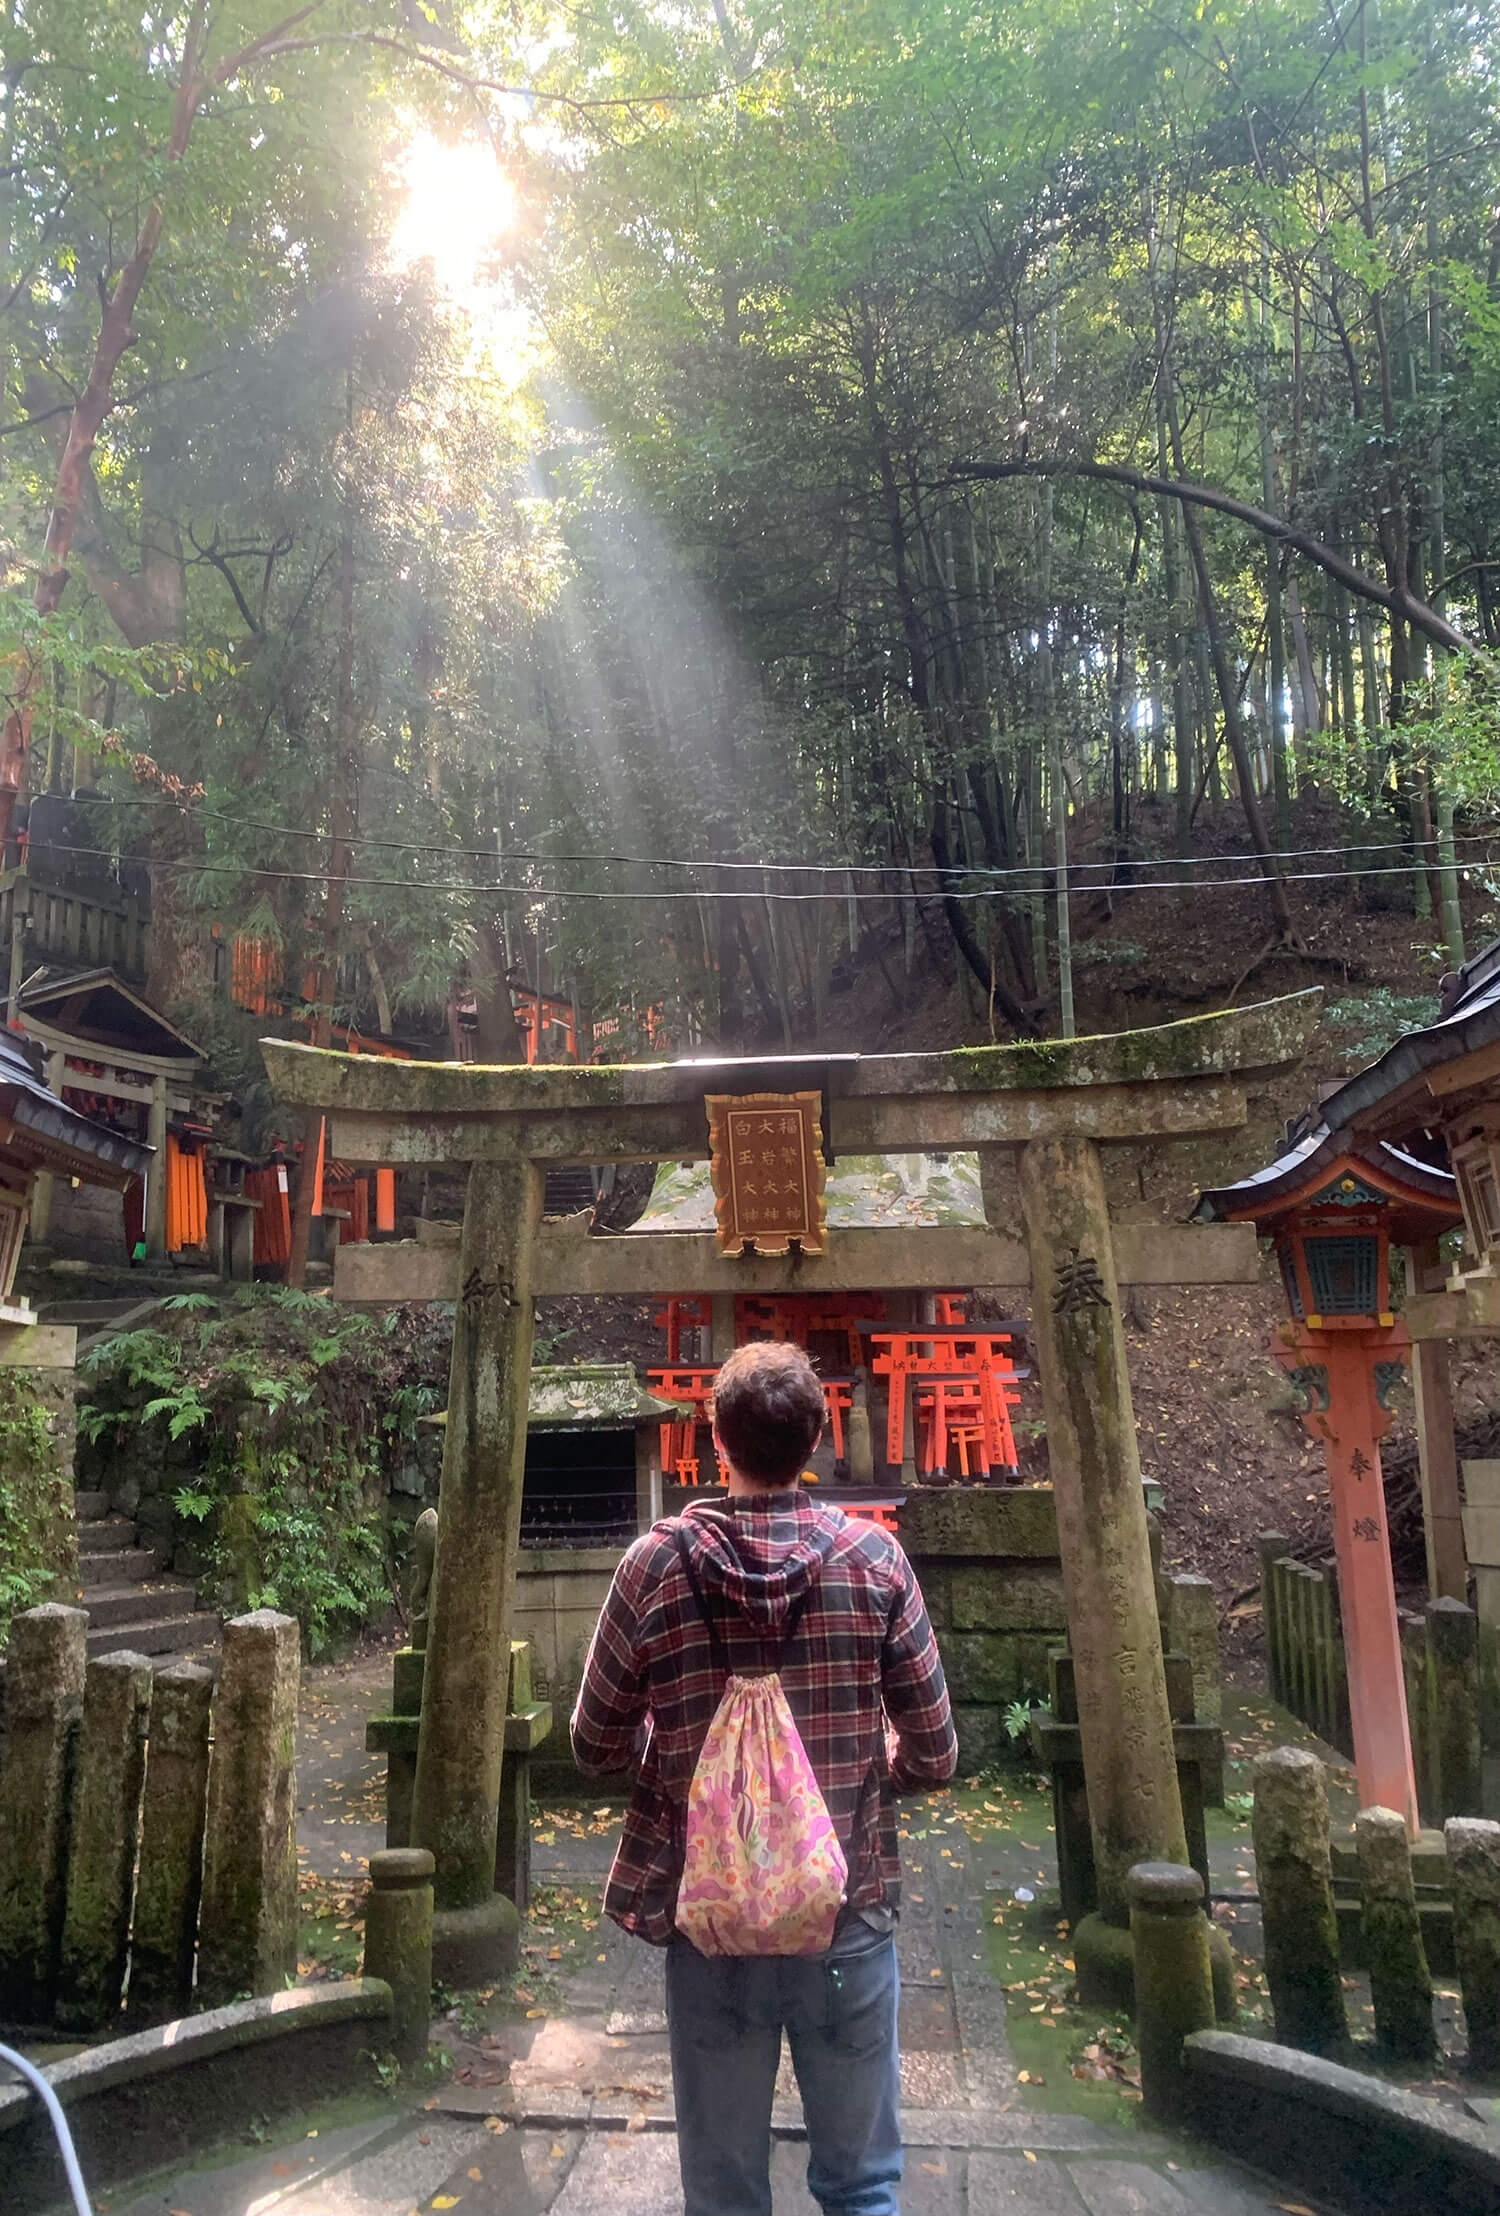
<point x="768" y="1411"/>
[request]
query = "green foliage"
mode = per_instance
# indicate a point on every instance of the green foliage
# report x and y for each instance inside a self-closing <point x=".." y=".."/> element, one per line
<point x="293" y="1411"/>
<point x="1378" y="1018"/>
<point x="1016" y="1717"/>
<point x="33" y="1506"/>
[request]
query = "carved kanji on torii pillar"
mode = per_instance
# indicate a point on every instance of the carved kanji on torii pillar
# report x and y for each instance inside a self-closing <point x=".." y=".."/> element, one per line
<point x="1333" y="1210"/>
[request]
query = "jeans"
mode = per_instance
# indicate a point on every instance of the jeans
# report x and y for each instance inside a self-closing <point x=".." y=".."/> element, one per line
<point x="726" y="2017"/>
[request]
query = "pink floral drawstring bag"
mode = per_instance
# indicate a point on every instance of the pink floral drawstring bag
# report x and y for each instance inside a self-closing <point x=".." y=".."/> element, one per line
<point x="764" y="1872"/>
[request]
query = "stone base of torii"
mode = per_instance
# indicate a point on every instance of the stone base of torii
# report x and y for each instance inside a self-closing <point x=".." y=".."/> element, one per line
<point x="1044" y="1109"/>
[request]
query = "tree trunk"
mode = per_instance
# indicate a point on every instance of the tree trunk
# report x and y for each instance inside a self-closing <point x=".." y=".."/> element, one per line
<point x="342" y="826"/>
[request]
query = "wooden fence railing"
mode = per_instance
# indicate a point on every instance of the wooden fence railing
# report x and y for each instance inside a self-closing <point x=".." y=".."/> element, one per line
<point x="97" y="928"/>
<point x="1441" y="1655"/>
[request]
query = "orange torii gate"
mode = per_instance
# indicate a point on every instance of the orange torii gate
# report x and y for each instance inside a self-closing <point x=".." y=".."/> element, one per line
<point x="1038" y="1113"/>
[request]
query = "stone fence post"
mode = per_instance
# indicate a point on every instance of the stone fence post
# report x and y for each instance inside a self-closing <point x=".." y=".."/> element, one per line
<point x="1174" y="1993"/>
<point x="165" y="1933"/>
<point x="1453" y="1680"/>
<point x="102" y="1840"/>
<point x="1400" y="1981"/>
<point x="1270" y="1546"/>
<point x="1193" y="1630"/>
<point x="398" y="1942"/>
<point x="43" y="1703"/>
<point x="1293" y="1871"/>
<point x="248" y="1924"/>
<point x="1474" y="1881"/>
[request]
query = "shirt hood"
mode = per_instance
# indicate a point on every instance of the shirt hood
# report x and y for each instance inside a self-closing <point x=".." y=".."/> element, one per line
<point x="761" y="1551"/>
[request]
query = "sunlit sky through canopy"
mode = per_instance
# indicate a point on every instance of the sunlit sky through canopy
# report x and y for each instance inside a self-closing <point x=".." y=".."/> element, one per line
<point x="460" y="208"/>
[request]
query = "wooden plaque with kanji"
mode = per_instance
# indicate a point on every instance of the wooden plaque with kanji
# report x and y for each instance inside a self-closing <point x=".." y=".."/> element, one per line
<point x="766" y="1158"/>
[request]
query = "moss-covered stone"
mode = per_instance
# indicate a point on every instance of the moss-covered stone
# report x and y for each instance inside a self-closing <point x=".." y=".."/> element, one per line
<point x="1290" y="1832"/>
<point x="578" y="1395"/>
<point x="1453" y="1661"/>
<point x="1473" y="1849"/>
<point x="43" y="1703"/>
<point x="1104" y="1963"/>
<point x="1267" y="1035"/>
<point x="102" y="1841"/>
<point x="398" y="1943"/>
<point x="1135" y="1806"/>
<point x="995" y="1666"/>
<point x="164" y="1929"/>
<point x="1193" y="1630"/>
<point x="1173" y="1978"/>
<point x="249" y="1919"/>
<point x="38" y="1533"/>
<point x="953" y="1523"/>
<point x="1009" y="1596"/>
<point x="1400" y="1981"/>
<point x="981" y="1735"/>
<point x="462" y="1743"/>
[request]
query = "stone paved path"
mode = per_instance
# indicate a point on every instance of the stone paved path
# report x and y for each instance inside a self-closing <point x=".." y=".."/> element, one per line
<point x="586" y="2118"/>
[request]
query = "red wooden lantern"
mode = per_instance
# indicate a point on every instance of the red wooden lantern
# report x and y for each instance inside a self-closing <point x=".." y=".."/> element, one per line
<point x="1332" y="1210"/>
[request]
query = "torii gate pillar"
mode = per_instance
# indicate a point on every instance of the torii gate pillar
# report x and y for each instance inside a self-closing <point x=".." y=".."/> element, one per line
<point x="1135" y="1809"/>
<point x="461" y="1746"/>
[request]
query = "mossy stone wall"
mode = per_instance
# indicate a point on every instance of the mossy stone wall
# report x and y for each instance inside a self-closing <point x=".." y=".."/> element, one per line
<point x="38" y="1529"/>
<point x="991" y="1576"/>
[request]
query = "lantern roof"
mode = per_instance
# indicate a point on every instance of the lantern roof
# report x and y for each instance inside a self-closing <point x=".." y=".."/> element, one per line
<point x="1325" y="1169"/>
<point x="1421" y="1081"/>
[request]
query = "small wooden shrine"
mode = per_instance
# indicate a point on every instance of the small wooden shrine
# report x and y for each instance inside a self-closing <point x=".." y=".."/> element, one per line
<point x="41" y="1136"/>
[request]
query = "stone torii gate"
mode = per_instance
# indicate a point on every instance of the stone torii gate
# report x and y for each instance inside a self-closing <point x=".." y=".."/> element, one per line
<point x="1052" y="1103"/>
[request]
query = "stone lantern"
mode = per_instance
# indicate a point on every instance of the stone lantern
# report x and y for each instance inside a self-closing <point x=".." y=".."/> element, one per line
<point x="1332" y="1210"/>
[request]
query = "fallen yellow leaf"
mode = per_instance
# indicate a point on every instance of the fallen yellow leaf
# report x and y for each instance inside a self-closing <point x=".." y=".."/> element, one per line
<point x="446" y="2200"/>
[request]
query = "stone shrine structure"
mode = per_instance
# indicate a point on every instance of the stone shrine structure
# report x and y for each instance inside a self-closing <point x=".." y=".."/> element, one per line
<point x="1052" y="1103"/>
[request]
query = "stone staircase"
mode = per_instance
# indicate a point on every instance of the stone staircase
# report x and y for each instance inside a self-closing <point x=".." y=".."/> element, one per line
<point x="130" y="1602"/>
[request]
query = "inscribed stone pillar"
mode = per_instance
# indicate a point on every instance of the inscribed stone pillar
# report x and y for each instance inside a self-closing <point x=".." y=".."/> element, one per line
<point x="248" y="1924"/>
<point x="102" y="1841"/>
<point x="43" y="1702"/>
<point x="1134" y="1806"/>
<point x="1453" y="1664"/>
<point x="164" y="1934"/>
<point x="1193" y="1630"/>
<point x="461" y="1747"/>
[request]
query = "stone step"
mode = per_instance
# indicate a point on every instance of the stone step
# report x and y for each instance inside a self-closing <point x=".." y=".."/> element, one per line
<point x="106" y="1535"/>
<point x="126" y="1566"/>
<point x="90" y="1507"/>
<point x="143" y="1603"/>
<point x="166" y="1635"/>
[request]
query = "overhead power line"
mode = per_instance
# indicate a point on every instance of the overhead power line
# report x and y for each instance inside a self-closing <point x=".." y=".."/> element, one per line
<point x="188" y="868"/>
<point x="1026" y="870"/>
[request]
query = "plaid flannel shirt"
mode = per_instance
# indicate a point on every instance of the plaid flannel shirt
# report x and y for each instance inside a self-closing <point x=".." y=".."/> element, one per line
<point x="864" y="1651"/>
